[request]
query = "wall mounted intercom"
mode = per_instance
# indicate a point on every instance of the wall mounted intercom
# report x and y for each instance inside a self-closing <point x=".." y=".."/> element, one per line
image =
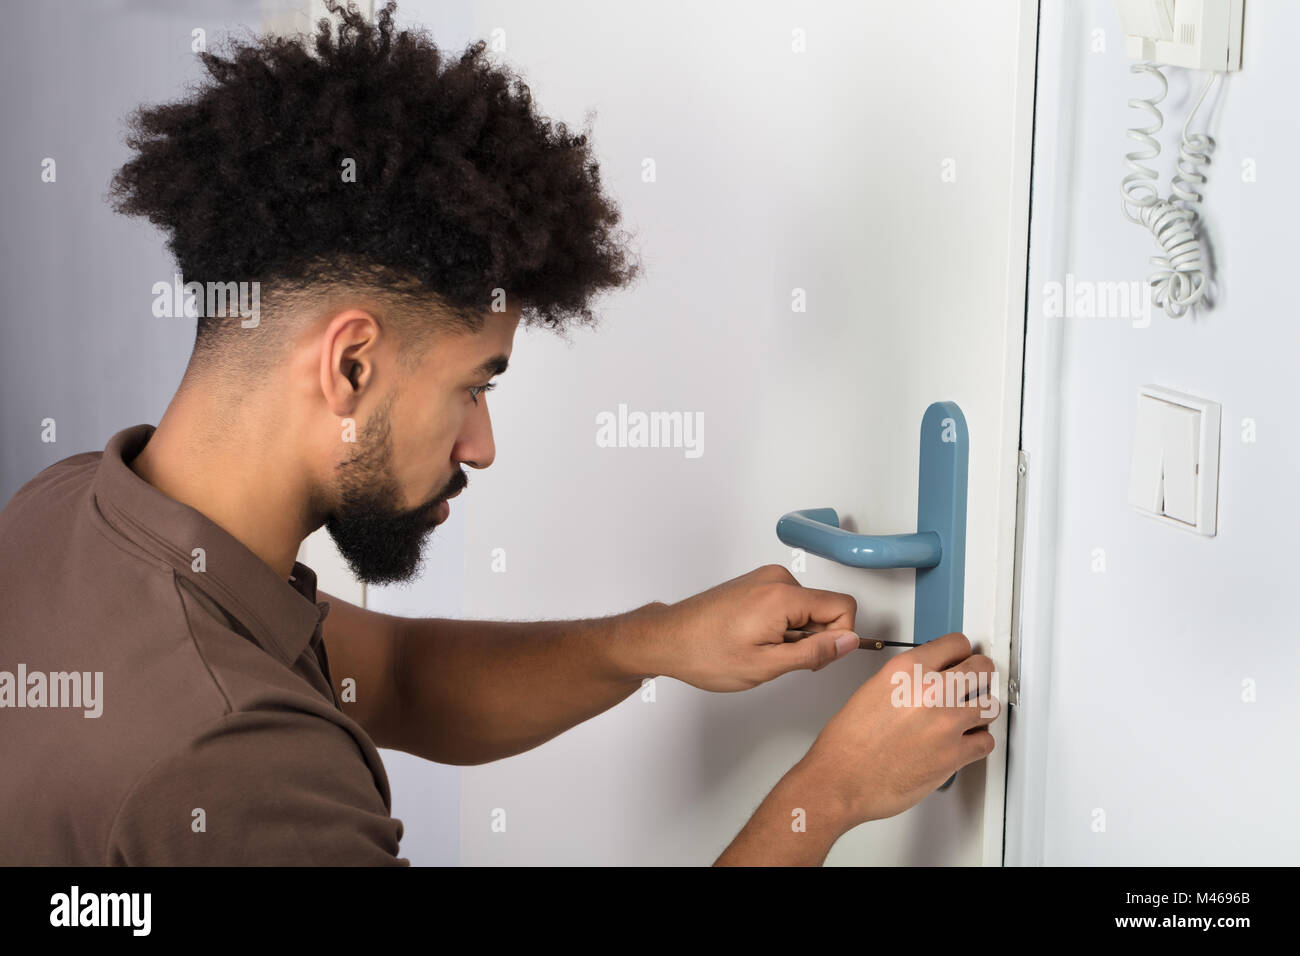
<point x="1192" y="35"/>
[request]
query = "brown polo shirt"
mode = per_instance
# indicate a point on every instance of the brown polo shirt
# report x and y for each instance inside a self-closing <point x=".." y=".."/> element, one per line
<point x="165" y="696"/>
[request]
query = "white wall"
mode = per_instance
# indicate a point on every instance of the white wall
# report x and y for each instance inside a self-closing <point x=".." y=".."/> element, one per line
<point x="1134" y="676"/>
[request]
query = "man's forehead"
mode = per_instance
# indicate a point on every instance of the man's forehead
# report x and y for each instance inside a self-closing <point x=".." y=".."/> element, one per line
<point x="499" y="336"/>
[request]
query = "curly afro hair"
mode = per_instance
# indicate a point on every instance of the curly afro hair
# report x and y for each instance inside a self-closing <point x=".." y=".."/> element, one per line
<point x="462" y="190"/>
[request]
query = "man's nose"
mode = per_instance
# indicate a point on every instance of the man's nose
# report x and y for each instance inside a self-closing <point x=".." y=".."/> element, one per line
<point x="476" y="447"/>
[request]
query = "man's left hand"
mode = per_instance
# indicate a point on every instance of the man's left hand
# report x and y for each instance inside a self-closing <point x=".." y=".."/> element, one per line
<point x="732" y="637"/>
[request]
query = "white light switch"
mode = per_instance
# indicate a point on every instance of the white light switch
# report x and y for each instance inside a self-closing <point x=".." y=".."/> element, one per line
<point x="1175" y="473"/>
<point x="1180" y="432"/>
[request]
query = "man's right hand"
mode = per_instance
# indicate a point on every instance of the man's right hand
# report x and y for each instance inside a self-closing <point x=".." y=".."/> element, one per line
<point x="882" y="753"/>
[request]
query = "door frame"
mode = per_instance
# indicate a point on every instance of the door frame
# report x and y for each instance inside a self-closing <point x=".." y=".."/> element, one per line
<point x="1016" y="297"/>
<point x="1041" y="436"/>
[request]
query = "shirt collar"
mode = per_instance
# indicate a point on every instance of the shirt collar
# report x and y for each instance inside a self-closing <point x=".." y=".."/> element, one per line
<point x="281" y="615"/>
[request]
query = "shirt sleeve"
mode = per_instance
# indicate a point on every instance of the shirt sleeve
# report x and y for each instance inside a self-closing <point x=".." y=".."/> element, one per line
<point x="262" y="788"/>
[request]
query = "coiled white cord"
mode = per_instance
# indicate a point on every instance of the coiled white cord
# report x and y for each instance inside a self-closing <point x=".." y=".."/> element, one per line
<point x="1180" y="280"/>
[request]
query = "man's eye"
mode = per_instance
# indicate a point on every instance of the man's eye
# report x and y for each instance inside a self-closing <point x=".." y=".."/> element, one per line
<point x="475" y="389"/>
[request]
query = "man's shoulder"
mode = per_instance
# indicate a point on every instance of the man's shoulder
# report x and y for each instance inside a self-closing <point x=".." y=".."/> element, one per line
<point x="54" y="484"/>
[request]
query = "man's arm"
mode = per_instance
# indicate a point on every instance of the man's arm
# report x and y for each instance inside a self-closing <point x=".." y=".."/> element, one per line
<point x="468" y="692"/>
<point x="796" y="825"/>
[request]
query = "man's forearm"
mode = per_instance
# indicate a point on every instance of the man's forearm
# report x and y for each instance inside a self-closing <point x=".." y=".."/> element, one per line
<point x="473" y="691"/>
<point x="796" y="825"/>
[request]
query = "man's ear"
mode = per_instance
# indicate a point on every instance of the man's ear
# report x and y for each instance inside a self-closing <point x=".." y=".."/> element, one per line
<point x="349" y="348"/>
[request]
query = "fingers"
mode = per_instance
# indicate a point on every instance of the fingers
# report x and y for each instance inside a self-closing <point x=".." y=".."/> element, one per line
<point x="940" y="653"/>
<point x="798" y="634"/>
<point x="988" y="710"/>
<point x="973" y="683"/>
<point x="969" y="679"/>
<point x="973" y="677"/>
<point x="978" y="712"/>
<point x="976" y="745"/>
<point x="812" y="653"/>
<point x="974" y="664"/>
<point x="808" y="607"/>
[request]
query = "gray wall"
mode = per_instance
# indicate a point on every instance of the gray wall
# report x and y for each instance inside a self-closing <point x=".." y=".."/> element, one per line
<point x="78" y="340"/>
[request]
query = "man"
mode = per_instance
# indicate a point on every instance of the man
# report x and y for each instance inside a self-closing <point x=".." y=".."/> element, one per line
<point x="183" y="692"/>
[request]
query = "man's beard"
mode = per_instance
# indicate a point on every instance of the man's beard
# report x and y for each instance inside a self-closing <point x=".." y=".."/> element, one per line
<point x="381" y="544"/>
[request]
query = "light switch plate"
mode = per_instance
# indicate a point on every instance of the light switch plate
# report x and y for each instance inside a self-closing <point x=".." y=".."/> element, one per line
<point x="1175" y="472"/>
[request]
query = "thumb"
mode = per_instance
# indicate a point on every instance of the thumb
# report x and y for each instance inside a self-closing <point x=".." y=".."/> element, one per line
<point x="813" y="652"/>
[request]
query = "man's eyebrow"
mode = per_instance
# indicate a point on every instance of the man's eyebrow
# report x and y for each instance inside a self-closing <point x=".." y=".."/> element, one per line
<point x="493" y="366"/>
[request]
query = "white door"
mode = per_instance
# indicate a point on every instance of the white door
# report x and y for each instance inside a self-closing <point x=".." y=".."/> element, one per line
<point x="874" y="156"/>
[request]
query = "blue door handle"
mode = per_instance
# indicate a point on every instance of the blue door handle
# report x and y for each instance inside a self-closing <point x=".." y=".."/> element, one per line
<point x="817" y="531"/>
<point x="937" y="549"/>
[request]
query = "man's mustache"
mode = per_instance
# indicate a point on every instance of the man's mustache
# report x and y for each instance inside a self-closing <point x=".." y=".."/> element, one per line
<point x="457" y="484"/>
